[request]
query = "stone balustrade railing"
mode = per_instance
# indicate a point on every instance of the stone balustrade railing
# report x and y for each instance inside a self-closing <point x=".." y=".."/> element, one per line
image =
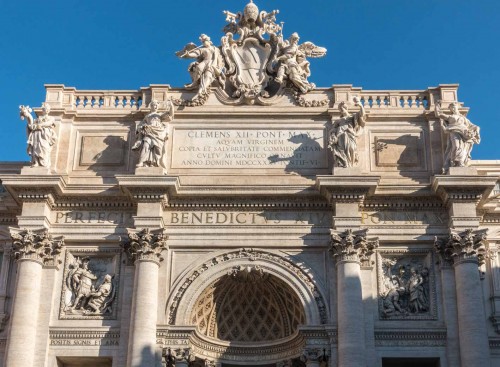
<point x="69" y="98"/>
<point x="372" y="99"/>
<point x="112" y="99"/>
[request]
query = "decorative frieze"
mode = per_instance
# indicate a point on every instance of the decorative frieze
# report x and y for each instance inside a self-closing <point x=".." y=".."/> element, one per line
<point x="458" y="247"/>
<point x="406" y="285"/>
<point x="145" y="245"/>
<point x="36" y="246"/>
<point x="352" y="246"/>
<point x="411" y="338"/>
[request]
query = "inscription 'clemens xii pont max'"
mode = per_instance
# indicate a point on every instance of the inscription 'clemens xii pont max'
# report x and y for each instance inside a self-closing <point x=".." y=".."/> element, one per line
<point x="248" y="148"/>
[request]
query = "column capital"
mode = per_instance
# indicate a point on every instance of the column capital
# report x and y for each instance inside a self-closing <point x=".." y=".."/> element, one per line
<point x="466" y="246"/>
<point x="38" y="246"/>
<point x="350" y="246"/>
<point x="145" y="245"/>
<point x="314" y="355"/>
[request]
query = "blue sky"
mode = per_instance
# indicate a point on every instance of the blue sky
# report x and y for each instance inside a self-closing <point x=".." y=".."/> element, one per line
<point x="385" y="44"/>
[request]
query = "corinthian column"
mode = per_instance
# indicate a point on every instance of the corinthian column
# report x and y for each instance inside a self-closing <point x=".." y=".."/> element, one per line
<point x="144" y="249"/>
<point x="31" y="251"/>
<point x="467" y="250"/>
<point x="349" y="249"/>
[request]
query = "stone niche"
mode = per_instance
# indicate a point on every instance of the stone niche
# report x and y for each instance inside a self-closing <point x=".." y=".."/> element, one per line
<point x="90" y="284"/>
<point x="406" y="285"/>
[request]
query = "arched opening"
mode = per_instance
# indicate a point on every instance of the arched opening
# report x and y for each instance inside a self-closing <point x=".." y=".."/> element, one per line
<point x="248" y="305"/>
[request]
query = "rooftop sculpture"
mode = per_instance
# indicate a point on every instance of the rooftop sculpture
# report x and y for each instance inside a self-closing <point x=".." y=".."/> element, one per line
<point x="254" y="62"/>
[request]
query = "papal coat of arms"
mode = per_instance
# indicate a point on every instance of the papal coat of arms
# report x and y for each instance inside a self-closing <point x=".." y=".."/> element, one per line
<point x="254" y="62"/>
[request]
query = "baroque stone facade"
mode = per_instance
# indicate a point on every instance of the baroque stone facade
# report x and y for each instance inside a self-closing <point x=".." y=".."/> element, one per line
<point x="250" y="218"/>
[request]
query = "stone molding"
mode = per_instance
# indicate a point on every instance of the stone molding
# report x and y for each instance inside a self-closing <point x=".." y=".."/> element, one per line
<point x="349" y="246"/>
<point x="410" y="338"/>
<point x="203" y="347"/>
<point x="37" y="246"/>
<point x="84" y="337"/>
<point x="466" y="246"/>
<point x="145" y="245"/>
<point x="242" y="257"/>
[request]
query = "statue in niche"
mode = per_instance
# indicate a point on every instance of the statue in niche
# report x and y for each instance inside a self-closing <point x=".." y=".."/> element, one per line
<point x="41" y="135"/>
<point x="151" y="136"/>
<point x="405" y="288"/>
<point x="461" y="136"/>
<point x="86" y="298"/>
<point x="292" y="62"/>
<point x="207" y="68"/>
<point x="344" y="134"/>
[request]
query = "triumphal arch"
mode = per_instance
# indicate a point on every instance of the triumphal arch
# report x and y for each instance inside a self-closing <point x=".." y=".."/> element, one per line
<point x="250" y="218"/>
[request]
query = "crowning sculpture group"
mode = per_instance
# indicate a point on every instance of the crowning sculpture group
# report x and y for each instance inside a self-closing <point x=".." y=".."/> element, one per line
<point x="253" y="65"/>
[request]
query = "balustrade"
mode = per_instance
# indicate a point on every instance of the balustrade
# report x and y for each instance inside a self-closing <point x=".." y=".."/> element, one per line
<point x="119" y="99"/>
<point x="406" y="100"/>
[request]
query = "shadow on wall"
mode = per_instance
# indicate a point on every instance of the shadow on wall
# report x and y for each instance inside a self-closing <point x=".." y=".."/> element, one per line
<point x="306" y="156"/>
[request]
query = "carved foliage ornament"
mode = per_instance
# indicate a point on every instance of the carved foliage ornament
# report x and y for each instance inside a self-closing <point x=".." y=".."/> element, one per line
<point x="39" y="247"/>
<point x="254" y="62"/>
<point x="463" y="246"/>
<point x="351" y="246"/>
<point x="145" y="245"/>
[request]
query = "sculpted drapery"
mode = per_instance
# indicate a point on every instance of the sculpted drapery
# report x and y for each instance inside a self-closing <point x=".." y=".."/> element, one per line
<point x="461" y="136"/>
<point x="41" y="135"/>
<point x="344" y="134"/>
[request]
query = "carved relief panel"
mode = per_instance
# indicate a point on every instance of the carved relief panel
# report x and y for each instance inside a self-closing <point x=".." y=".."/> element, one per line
<point x="90" y="284"/>
<point x="401" y="151"/>
<point x="406" y="285"/>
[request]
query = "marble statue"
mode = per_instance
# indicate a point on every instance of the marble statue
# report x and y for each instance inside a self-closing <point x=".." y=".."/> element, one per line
<point x="101" y="298"/>
<point x="344" y="134"/>
<point x="151" y="136"/>
<point x="461" y="136"/>
<point x="292" y="62"/>
<point x="81" y="281"/>
<point x="208" y="65"/>
<point x="253" y="64"/>
<point x="41" y="135"/>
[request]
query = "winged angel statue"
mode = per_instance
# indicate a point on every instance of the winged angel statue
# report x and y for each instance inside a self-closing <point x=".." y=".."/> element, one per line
<point x="253" y="64"/>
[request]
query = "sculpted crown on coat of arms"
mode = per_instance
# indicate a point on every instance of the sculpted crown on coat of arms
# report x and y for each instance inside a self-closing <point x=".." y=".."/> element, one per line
<point x="254" y="62"/>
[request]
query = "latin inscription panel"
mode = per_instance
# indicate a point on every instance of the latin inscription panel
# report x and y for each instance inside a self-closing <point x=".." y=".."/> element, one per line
<point x="291" y="149"/>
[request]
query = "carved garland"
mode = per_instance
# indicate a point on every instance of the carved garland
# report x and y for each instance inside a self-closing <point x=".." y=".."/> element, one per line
<point x="251" y="255"/>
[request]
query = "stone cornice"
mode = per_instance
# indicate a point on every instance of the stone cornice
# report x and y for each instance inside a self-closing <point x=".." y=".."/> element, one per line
<point x="352" y="189"/>
<point x="463" y="188"/>
<point x="37" y="246"/>
<point x="145" y="245"/>
<point x="349" y="246"/>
